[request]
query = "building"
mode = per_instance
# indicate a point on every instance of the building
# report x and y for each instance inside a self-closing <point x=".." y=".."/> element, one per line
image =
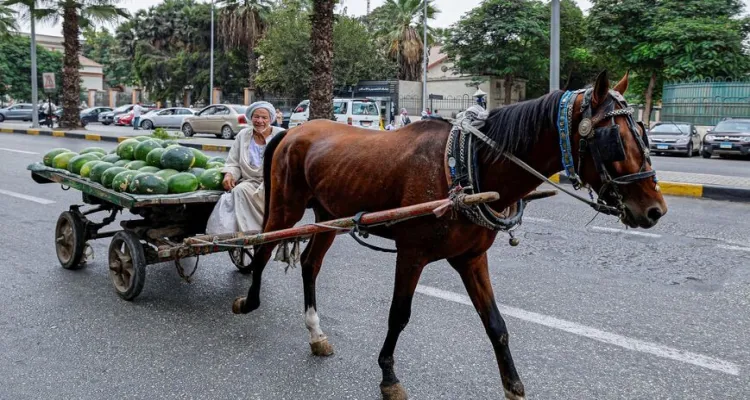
<point x="92" y="73"/>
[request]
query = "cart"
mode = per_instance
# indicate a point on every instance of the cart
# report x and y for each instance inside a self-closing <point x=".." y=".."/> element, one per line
<point x="172" y="228"/>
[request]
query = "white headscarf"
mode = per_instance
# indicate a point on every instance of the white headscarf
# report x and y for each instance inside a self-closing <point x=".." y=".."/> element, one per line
<point x="262" y="105"/>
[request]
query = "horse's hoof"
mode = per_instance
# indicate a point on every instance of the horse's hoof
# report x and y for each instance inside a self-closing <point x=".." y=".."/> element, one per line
<point x="321" y="348"/>
<point x="516" y="392"/>
<point x="237" y="305"/>
<point x="393" y="392"/>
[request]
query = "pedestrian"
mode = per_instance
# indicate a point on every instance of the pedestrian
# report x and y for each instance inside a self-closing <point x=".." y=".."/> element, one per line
<point x="279" y="119"/>
<point x="403" y="118"/>
<point x="137" y="116"/>
<point x="435" y="114"/>
<point x="391" y="126"/>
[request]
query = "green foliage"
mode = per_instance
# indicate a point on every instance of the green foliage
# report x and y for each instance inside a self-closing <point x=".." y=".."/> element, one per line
<point x="101" y="46"/>
<point x="15" y="67"/>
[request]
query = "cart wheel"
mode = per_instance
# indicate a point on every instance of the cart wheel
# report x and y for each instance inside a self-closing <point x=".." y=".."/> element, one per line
<point x="70" y="241"/>
<point x="241" y="258"/>
<point x="127" y="264"/>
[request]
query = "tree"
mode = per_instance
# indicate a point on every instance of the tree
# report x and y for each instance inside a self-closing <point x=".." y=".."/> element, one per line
<point x="101" y="46"/>
<point x="321" y="38"/>
<point x="241" y="24"/>
<point x="15" y="66"/>
<point x="506" y="38"/>
<point x="7" y="21"/>
<point x="399" y="24"/>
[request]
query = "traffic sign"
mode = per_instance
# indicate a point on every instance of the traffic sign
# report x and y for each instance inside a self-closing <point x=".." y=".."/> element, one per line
<point x="49" y="81"/>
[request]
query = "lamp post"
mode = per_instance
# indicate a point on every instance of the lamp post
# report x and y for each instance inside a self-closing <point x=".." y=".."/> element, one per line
<point x="554" y="57"/>
<point x="424" y="51"/>
<point x="34" y="76"/>
<point x="211" y="81"/>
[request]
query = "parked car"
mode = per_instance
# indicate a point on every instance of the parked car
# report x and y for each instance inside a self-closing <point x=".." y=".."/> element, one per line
<point x="674" y="137"/>
<point x="124" y="119"/>
<point x="363" y="113"/>
<point x="107" y="118"/>
<point x="728" y="137"/>
<point x="87" y="115"/>
<point x="172" y="117"/>
<point x="20" y="111"/>
<point x="223" y="120"/>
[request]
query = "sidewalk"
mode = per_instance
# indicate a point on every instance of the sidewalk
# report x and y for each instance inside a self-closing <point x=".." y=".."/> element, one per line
<point x="714" y="187"/>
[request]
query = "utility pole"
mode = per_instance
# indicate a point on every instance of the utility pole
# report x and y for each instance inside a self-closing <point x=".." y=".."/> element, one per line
<point x="368" y="7"/>
<point x="34" y="88"/>
<point x="424" y="51"/>
<point x="554" y="58"/>
<point x="211" y="84"/>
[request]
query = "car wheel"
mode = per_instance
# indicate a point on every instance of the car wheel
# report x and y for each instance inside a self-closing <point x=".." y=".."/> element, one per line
<point x="106" y="123"/>
<point x="226" y="132"/>
<point x="2" y="117"/>
<point x="148" y="125"/>
<point x="187" y="130"/>
<point x="705" y="154"/>
<point x="689" y="150"/>
<point x="83" y="123"/>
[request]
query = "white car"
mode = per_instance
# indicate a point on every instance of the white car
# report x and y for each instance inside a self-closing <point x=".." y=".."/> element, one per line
<point x="362" y="113"/>
<point x="167" y="118"/>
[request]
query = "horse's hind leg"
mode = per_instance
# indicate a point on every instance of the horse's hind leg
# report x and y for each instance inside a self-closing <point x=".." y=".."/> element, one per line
<point x="408" y="269"/>
<point x="312" y="260"/>
<point x="476" y="279"/>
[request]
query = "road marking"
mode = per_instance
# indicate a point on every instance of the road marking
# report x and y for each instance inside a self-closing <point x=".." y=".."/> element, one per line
<point x="92" y="136"/>
<point x="642" y="346"/>
<point x="628" y="232"/>
<point x="26" y="197"/>
<point x="18" y="151"/>
<point x="542" y="220"/>
<point x="723" y="246"/>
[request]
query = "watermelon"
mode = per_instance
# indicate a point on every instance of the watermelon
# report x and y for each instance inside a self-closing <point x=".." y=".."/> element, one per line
<point x="145" y="147"/>
<point x="135" y="165"/>
<point x="148" y="183"/>
<point x="93" y="150"/>
<point x="52" y="154"/>
<point x="121" y="181"/>
<point x="142" y="138"/>
<point x="183" y="182"/>
<point x="172" y="146"/>
<point x="111" y="158"/>
<point x="166" y="173"/>
<point x="98" y="170"/>
<point x="113" y="151"/>
<point x="86" y="168"/>
<point x="149" y="168"/>
<point x="212" y="180"/>
<point x="121" y="163"/>
<point x="167" y="143"/>
<point x="197" y="171"/>
<point x="161" y="142"/>
<point x="179" y="158"/>
<point x="61" y="160"/>
<point x="217" y="159"/>
<point x="214" y="164"/>
<point x="75" y="163"/>
<point x="200" y="158"/>
<point x="109" y="175"/>
<point x="126" y="149"/>
<point x="154" y="157"/>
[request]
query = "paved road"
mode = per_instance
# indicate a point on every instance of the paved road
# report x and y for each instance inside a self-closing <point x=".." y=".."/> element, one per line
<point x="595" y="312"/>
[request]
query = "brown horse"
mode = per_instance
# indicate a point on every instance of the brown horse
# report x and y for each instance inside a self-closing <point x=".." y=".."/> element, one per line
<point x="339" y="170"/>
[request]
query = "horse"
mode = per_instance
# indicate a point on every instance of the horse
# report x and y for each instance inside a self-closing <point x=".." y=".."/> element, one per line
<point x="339" y="170"/>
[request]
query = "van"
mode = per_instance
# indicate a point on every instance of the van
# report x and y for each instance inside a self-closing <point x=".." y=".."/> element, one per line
<point x="362" y="113"/>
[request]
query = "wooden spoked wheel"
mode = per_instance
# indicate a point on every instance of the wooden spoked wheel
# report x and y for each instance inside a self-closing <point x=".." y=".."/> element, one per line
<point x="70" y="241"/>
<point x="241" y="258"/>
<point x="127" y="265"/>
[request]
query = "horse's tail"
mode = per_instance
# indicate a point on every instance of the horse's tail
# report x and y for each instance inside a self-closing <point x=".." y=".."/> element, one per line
<point x="267" y="162"/>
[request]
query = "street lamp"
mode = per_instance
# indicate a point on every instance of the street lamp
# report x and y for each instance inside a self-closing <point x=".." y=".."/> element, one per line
<point x="211" y="84"/>
<point x="424" y="51"/>
<point x="554" y="57"/>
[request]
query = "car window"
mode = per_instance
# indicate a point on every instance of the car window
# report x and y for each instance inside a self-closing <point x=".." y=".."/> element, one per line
<point x="166" y="112"/>
<point x="364" y="108"/>
<point x="222" y="111"/>
<point x="670" y="129"/>
<point x="301" y="108"/>
<point x="339" y="107"/>
<point x="239" y="109"/>
<point x="207" y="111"/>
<point x="25" y="107"/>
<point x="181" y="111"/>
<point x="733" y="126"/>
<point x="122" y="109"/>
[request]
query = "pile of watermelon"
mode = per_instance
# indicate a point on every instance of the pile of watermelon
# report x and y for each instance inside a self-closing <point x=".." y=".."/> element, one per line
<point x="143" y="165"/>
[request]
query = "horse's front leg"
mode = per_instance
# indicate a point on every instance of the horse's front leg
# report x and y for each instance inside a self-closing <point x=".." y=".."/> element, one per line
<point x="474" y="273"/>
<point x="408" y="270"/>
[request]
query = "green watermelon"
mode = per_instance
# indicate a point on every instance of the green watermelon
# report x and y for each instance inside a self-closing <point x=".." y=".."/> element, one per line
<point x="154" y="157"/>
<point x="183" y="182"/>
<point x="61" y="160"/>
<point x="179" y="158"/>
<point x="145" y="147"/>
<point x="161" y="142"/>
<point x="126" y="149"/>
<point x="200" y="158"/>
<point x="111" y="158"/>
<point x="142" y="138"/>
<point x="148" y="183"/>
<point x="113" y="151"/>
<point x="135" y="165"/>
<point x="52" y="154"/>
<point x="98" y="170"/>
<point x="121" y="163"/>
<point x="93" y="150"/>
<point x="121" y="181"/>
<point x="149" y="168"/>
<point x="86" y="168"/>
<point x="212" y="180"/>
<point x="75" y="163"/>
<point x="168" y="143"/>
<point x="217" y="159"/>
<point x="197" y="171"/>
<point x="109" y="175"/>
<point x="214" y="164"/>
<point x="166" y="173"/>
<point x="172" y="146"/>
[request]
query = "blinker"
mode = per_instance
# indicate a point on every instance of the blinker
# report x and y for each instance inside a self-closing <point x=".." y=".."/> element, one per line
<point x="609" y="143"/>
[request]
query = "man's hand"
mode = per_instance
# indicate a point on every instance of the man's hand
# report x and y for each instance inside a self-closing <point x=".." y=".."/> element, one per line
<point x="228" y="182"/>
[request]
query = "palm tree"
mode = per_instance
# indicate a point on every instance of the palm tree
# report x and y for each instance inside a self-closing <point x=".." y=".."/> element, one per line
<point x="321" y="38"/>
<point x="399" y="23"/>
<point x="7" y="20"/>
<point x="241" y="24"/>
<point x="76" y="14"/>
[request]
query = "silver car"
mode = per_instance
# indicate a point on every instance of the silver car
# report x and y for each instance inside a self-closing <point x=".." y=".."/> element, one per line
<point x="674" y="137"/>
<point x="21" y="111"/>
<point x="167" y="118"/>
<point x="223" y="120"/>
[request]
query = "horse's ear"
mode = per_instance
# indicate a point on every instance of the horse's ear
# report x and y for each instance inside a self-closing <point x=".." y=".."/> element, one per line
<point x="601" y="89"/>
<point x="622" y="86"/>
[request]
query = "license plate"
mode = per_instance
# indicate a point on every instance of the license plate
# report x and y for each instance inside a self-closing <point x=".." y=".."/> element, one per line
<point x="726" y="146"/>
<point x="366" y="123"/>
<point x="662" y="146"/>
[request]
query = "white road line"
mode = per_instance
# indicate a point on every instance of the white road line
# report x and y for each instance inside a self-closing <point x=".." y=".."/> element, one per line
<point x="658" y="350"/>
<point x="723" y="246"/>
<point x="542" y="220"/>
<point x="26" y="197"/>
<point x="627" y="232"/>
<point x="18" y="151"/>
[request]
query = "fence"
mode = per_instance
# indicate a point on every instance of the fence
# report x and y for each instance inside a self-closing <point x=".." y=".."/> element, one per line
<point x="705" y="102"/>
<point x="449" y="106"/>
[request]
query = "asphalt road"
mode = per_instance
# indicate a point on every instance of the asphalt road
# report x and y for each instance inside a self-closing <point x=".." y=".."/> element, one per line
<point x="594" y="312"/>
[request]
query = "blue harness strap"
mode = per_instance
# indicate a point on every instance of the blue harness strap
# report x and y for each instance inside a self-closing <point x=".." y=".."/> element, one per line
<point x="563" y="129"/>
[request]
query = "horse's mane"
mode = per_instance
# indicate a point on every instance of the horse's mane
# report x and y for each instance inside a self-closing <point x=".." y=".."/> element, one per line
<point x="517" y="127"/>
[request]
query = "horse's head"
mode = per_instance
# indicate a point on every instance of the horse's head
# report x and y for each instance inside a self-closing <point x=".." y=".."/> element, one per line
<point x="614" y="152"/>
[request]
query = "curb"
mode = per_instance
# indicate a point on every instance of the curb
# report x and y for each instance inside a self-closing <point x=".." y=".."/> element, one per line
<point x="95" y="137"/>
<point x="697" y="190"/>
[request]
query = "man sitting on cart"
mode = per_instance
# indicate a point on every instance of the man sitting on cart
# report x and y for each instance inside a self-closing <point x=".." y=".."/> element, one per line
<point x="242" y="208"/>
